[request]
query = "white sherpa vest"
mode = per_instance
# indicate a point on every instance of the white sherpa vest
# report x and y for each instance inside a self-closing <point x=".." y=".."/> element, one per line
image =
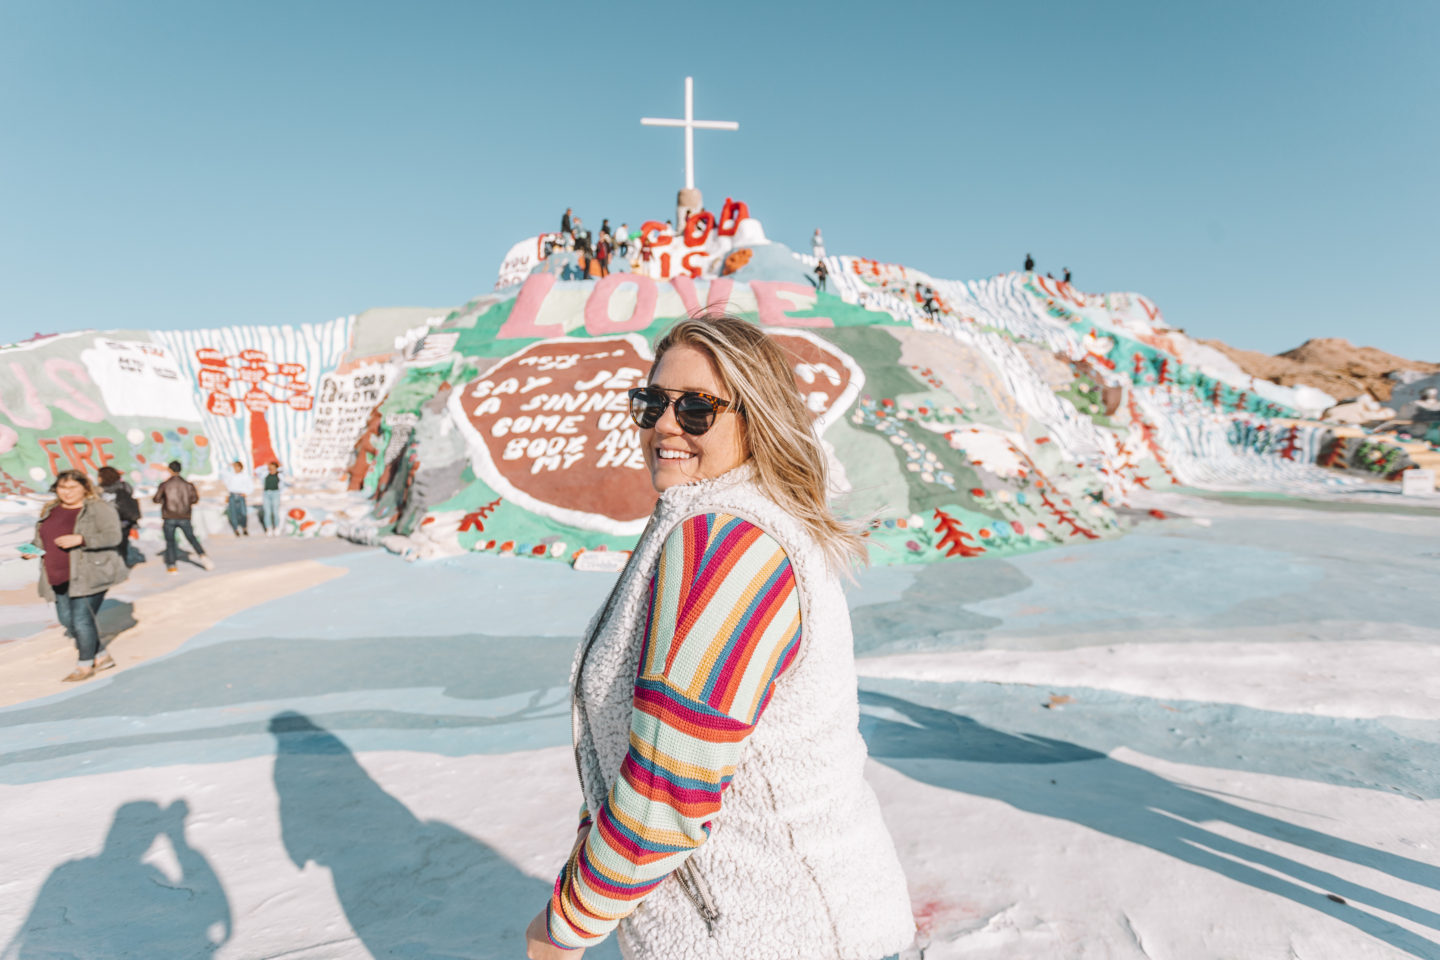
<point x="799" y="864"/>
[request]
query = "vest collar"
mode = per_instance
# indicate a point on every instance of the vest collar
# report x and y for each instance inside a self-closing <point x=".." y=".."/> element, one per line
<point x="688" y="493"/>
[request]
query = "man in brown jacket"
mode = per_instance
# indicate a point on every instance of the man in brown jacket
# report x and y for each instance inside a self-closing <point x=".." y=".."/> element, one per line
<point x="176" y="496"/>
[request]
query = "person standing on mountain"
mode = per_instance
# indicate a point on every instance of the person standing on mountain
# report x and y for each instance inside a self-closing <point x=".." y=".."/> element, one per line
<point x="177" y="497"/>
<point x="602" y="254"/>
<point x="622" y="240"/>
<point x="1066" y="275"/>
<point x="928" y="301"/>
<point x="1029" y="263"/>
<point x="565" y="223"/>
<point x="821" y="272"/>
<point x="817" y="245"/>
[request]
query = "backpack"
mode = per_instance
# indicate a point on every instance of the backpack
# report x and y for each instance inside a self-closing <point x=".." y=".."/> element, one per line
<point x="126" y="505"/>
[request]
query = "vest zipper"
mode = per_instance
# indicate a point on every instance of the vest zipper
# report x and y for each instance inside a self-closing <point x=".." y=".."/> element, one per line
<point x="696" y="892"/>
<point x="578" y="721"/>
<point x="690" y="883"/>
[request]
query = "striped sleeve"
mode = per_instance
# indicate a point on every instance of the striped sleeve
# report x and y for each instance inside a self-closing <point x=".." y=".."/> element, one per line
<point x="724" y="623"/>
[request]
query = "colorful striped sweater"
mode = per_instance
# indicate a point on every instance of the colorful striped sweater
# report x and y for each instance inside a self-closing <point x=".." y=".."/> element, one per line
<point x="724" y="623"/>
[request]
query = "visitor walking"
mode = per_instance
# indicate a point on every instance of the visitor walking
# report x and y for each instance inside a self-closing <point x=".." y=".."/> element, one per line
<point x="120" y="495"/>
<point x="817" y="245"/>
<point x="821" y="272"/>
<point x="622" y="240"/>
<point x="239" y="485"/>
<point x="1029" y="263"/>
<point x="177" y="496"/>
<point x="270" y="501"/>
<point x="722" y="666"/>
<point x="77" y="533"/>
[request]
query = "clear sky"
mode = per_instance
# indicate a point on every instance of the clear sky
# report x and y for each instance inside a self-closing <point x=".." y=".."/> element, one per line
<point x="1265" y="171"/>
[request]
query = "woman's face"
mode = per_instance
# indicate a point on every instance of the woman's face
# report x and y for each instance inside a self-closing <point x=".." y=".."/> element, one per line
<point x="71" y="493"/>
<point x="676" y="457"/>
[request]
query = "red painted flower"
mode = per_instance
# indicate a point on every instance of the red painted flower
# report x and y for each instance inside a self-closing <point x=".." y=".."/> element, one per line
<point x="976" y="492"/>
<point x="296" y="513"/>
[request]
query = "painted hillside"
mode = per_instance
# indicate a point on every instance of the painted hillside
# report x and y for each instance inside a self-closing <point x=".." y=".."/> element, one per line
<point x="980" y="417"/>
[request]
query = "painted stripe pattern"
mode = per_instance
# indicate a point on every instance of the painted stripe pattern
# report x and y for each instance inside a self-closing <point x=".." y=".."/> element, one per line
<point x="724" y="623"/>
<point x="318" y="347"/>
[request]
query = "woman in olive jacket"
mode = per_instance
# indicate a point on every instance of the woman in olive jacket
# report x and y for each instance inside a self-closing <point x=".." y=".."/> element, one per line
<point x="77" y="534"/>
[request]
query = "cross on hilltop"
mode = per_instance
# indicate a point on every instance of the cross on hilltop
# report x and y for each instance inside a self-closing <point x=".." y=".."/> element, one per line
<point x="689" y="200"/>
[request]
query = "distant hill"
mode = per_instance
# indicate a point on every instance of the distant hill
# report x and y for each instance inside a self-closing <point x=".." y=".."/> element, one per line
<point x="1331" y="364"/>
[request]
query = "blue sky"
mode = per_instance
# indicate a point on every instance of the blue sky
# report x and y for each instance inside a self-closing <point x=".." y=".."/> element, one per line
<point x="1265" y="171"/>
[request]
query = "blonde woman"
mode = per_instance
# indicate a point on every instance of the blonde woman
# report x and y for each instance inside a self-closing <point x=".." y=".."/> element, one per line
<point x="76" y="537"/>
<point x="714" y="696"/>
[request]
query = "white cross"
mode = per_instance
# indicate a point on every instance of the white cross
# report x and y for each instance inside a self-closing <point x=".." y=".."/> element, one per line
<point x="690" y="124"/>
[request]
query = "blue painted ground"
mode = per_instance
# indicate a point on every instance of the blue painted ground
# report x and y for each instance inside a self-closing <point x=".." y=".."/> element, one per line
<point x="471" y="656"/>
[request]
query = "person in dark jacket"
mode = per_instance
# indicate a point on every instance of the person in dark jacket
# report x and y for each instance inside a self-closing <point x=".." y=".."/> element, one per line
<point x="1066" y="275"/>
<point x="270" y="500"/>
<point x="821" y="273"/>
<point x="565" y="223"/>
<point x="1029" y="263"/>
<point x="75" y="538"/>
<point x="176" y="497"/>
<point x="121" y="496"/>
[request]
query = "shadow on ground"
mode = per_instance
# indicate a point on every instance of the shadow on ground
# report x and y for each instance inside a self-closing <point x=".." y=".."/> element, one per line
<point x="411" y="888"/>
<point x="116" y="905"/>
<point x="1061" y="780"/>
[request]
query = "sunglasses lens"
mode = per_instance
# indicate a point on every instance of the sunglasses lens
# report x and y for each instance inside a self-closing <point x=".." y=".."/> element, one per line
<point x="694" y="414"/>
<point x="646" y="407"/>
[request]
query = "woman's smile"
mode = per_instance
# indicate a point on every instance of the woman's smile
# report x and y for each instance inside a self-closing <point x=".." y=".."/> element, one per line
<point x="676" y="457"/>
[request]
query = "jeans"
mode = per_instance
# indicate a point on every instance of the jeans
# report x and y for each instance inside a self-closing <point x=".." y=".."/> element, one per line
<point x="270" y="510"/>
<point x="235" y="512"/>
<point x="184" y="527"/>
<point x="77" y="616"/>
<point x="124" y="548"/>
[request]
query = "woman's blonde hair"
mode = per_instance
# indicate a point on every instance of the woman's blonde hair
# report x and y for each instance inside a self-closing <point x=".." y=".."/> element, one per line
<point x="789" y="462"/>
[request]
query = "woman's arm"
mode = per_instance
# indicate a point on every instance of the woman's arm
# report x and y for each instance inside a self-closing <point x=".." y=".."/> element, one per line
<point x="105" y="522"/>
<point x="724" y="624"/>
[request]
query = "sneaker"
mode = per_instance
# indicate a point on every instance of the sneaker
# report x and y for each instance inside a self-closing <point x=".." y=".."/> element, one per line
<point x="104" y="662"/>
<point x="79" y="673"/>
<point x="205" y="562"/>
<point x="170" y="570"/>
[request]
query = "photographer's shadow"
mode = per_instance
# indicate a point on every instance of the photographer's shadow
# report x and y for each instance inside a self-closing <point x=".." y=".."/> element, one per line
<point x="1066" y="781"/>
<point x="411" y="888"/>
<point x="115" y="905"/>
